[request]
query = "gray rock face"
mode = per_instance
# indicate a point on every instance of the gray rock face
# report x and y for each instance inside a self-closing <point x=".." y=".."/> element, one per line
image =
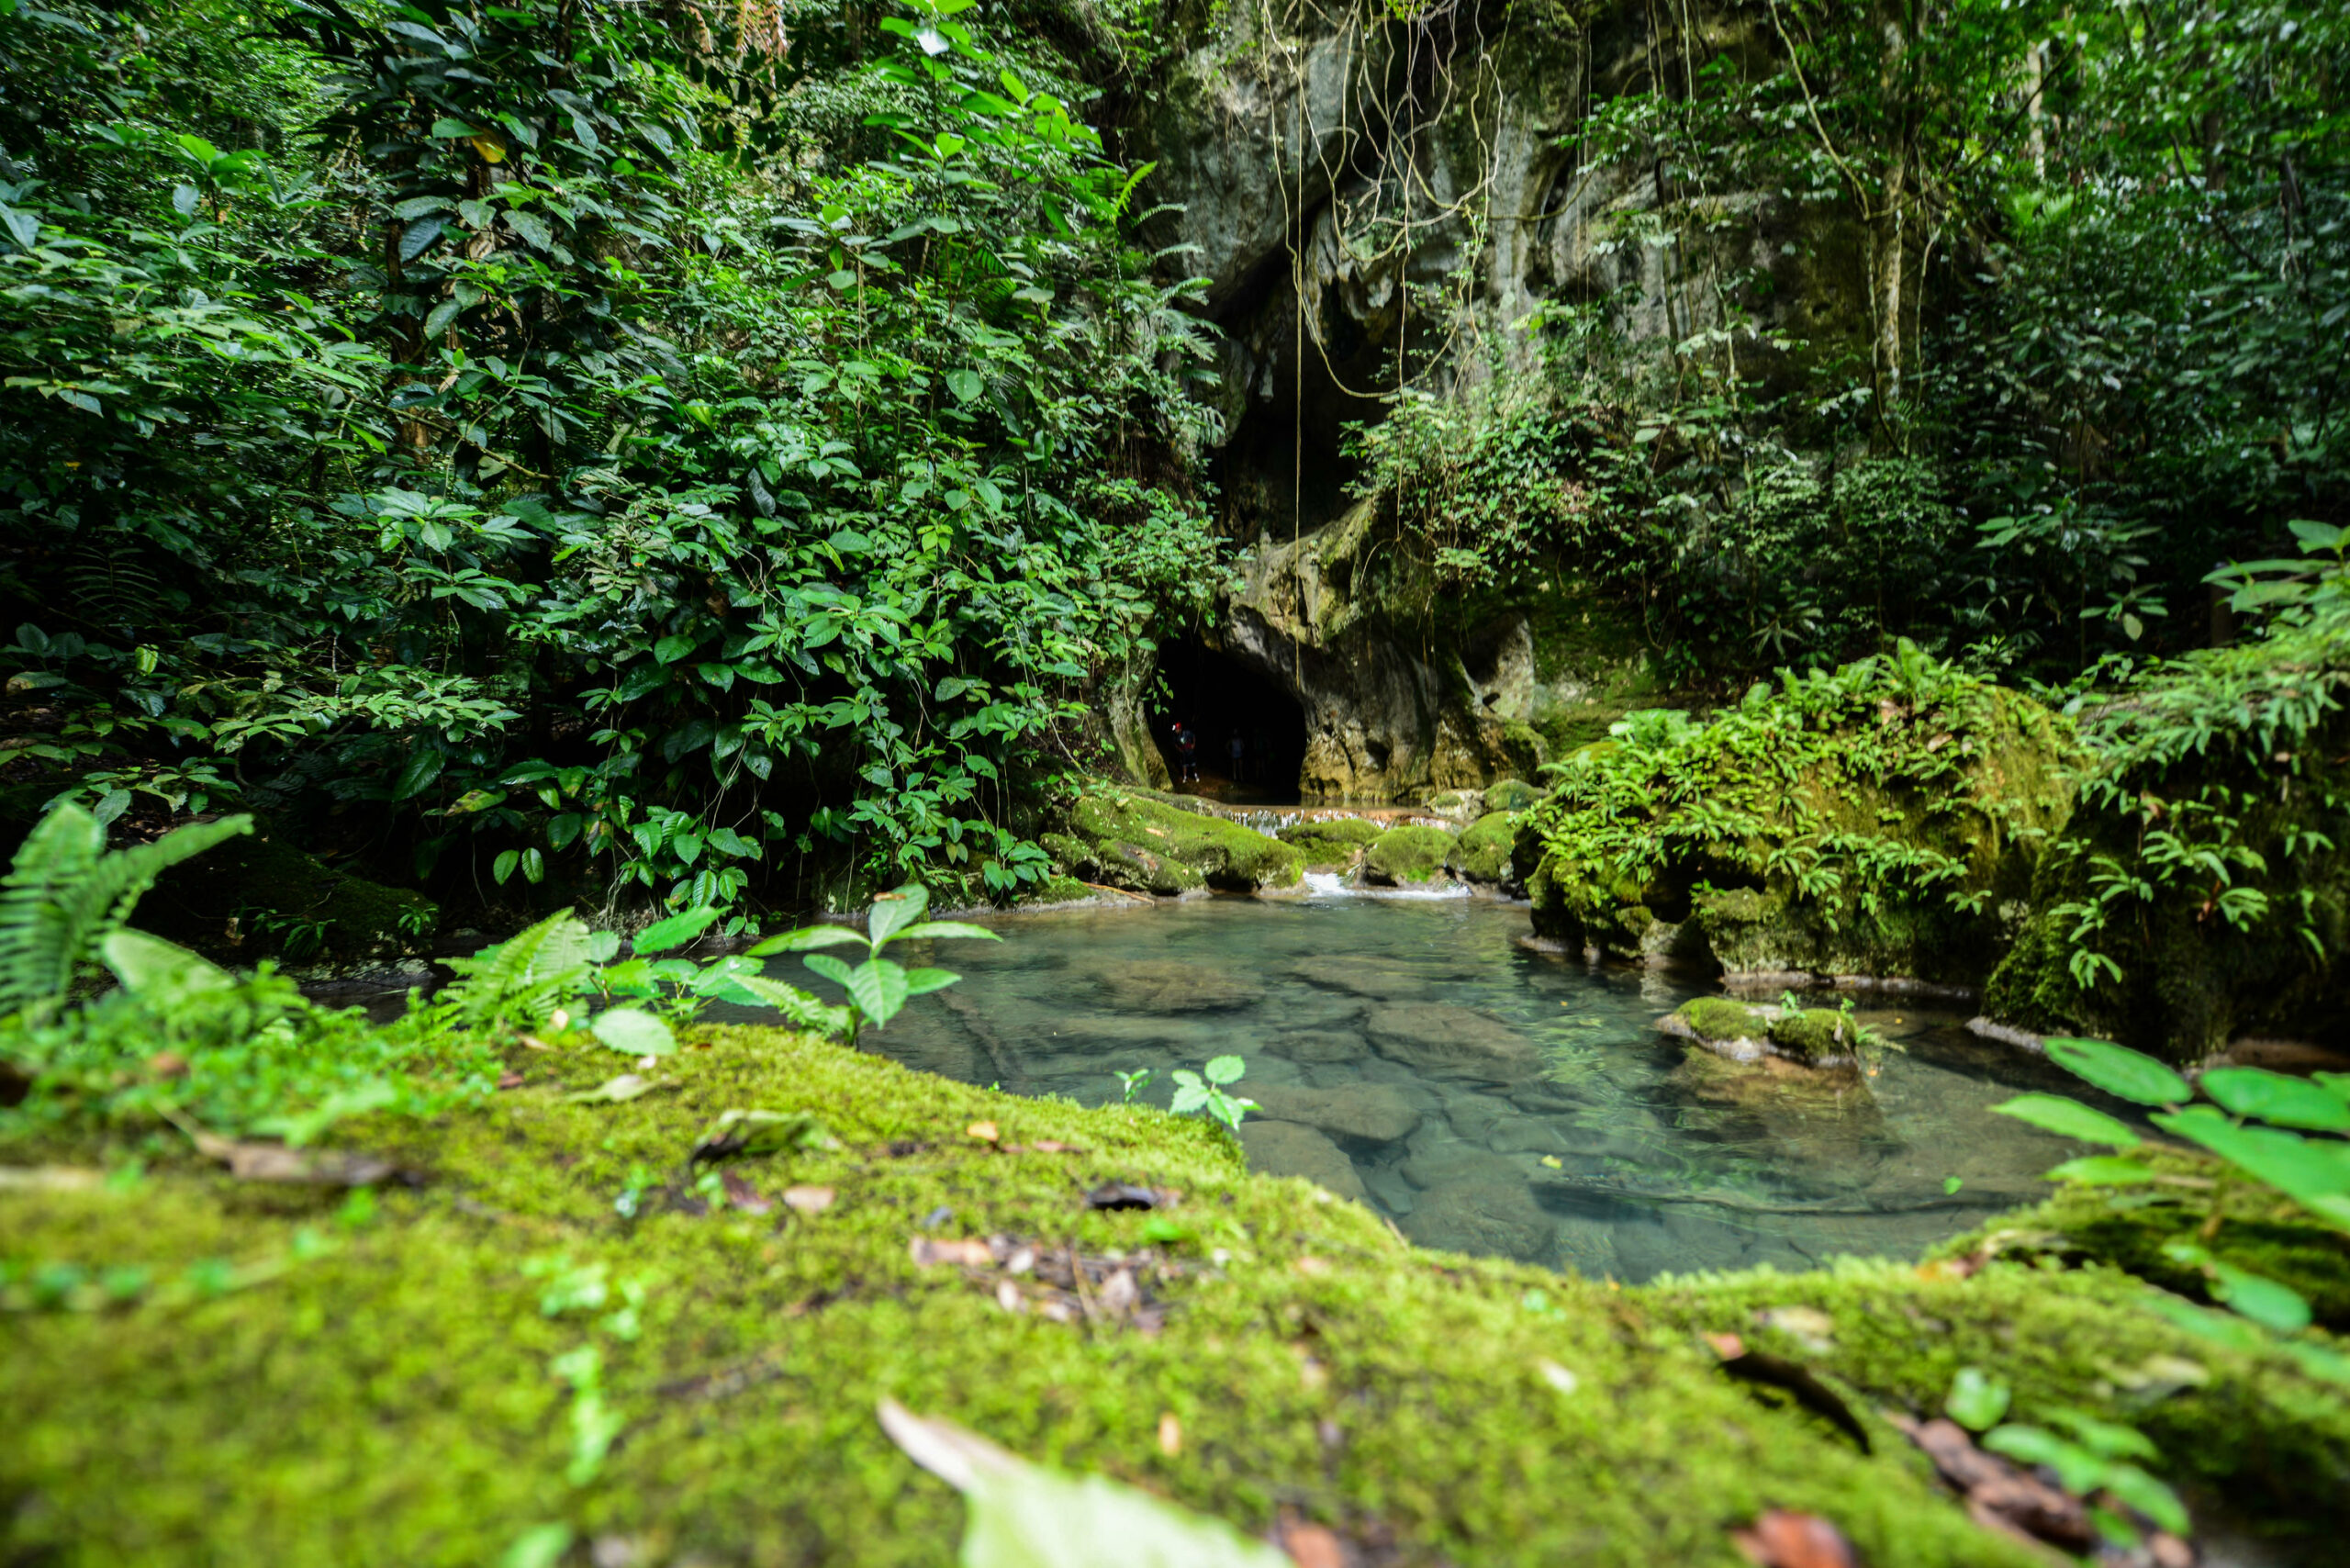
<point x="1362" y="1113"/>
<point x="1285" y="1148"/>
<point x="1455" y="1041"/>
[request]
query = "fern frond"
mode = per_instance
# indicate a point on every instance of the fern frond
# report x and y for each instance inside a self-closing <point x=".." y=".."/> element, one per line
<point x="527" y="975"/>
<point x="64" y="893"/>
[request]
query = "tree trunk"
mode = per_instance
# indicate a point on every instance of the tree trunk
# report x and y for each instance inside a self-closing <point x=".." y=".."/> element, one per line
<point x="1887" y="259"/>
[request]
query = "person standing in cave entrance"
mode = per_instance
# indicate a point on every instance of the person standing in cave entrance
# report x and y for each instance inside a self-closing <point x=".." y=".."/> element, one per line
<point x="1240" y="750"/>
<point x="1187" y="752"/>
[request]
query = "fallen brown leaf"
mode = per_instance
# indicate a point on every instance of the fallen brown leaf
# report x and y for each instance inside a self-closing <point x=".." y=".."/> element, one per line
<point x="985" y="1132"/>
<point x="807" y="1200"/>
<point x="1171" y="1434"/>
<point x="276" y="1162"/>
<point x="1784" y="1539"/>
<point x="167" y="1064"/>
<point x="969" y="1252"/>
<point x="1999" y="1495"/>
<point x="741" y="1194"/>
<point x="1311" y="1546"/>
<point x="510" y="1080"/>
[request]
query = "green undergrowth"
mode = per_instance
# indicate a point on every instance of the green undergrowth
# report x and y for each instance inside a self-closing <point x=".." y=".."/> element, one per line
<point x="1126" y="839"/>
<point x="565" y="1322"/>
<point x="1882" y="819"/>
<point x="2202" y="890"/>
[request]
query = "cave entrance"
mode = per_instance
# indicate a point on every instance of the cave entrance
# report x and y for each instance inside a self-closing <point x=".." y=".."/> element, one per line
<point x="1222" y="699"/>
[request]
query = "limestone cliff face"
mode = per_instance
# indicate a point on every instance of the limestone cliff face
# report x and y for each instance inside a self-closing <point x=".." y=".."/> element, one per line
<point x="1348" y="183"/>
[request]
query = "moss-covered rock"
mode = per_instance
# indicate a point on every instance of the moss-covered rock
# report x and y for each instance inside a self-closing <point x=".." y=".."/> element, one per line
<point x="1331" y="843"/>
<point x="261" y="897"/>
<point x="1486" y="852"/>
<point x="1127" y="839"/>
<point x="396" y="1379"/>
<point x="1815" y="1036"/>
<point x="1511" y="795"/>
<point x="1412" y="855"/>
<point x="2201" y="892"/>
<point x="1886" y="820"/>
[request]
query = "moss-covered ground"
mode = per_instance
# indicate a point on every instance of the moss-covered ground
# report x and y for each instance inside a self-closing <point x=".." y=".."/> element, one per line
<point x="397" y="1378"/>
<point x="1127" y="839"/>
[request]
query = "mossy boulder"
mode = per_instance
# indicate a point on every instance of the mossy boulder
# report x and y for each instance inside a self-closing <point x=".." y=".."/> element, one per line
<point x="261" y="897"/>
<point x="1815" y="1036"/>
<point x="1886" y="820"/>
<point x="1127" y="839"/>
<point x="1463" y="806"/>
<point x="1331" y="843"/>
<point x="1511" y="795"/>
<point x="397" y="1378"/>
<point x="1412" y="855"/>
<point x="1486" y="851"/>
<point x="2201" y="892"/>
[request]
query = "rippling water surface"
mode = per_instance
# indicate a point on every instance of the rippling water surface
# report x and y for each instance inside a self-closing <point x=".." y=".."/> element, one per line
<point x="1411" y="1054"/>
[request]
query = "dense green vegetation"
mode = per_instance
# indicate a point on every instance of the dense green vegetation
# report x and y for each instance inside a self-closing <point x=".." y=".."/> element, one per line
<point x="563" y="444"/>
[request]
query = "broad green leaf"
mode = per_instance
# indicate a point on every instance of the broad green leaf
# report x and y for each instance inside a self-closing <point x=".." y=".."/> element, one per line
<point x="2103" y="1171"/>
<point x="878" y="988"/>
<point x="633" y="1032"/>
<point x="2310" y="1173"/>
<point x="2150" y="1496"/>
<point x="834" y="969"/>
<point x="614" y="1091"/>
<point x="144" y="963"/>
<point x="1023" y="1515"/>
<point x="2076" y="1467"/>
<point x="503" y="866"/>
<point x="1225" y="1069"/>
<point x="1977" y="1401"/>
<point x="2273" y="1097"/>
<point x="674" y="932"/>
<point x="965" y="384"/>
<point x="892" y="913"/>
<point x="2267" y="1302"/>
<point x="2120" y="1071"/>
<point x="928" y="929"/>
<point x="2069" y="1118"/>
<point x="921" y="982"/>
<point x="809" y="937"/>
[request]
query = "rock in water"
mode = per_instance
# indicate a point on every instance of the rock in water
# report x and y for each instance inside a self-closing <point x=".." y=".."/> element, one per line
<point x="1285" y="1148"/>
<point x="1815" y="1036"/>
<point x="1434" y="1037"/>
<point x="1320" y="1046"/>
<point x="1494" y="1217"/>
<point x="1355" y="1113"/>
<point x="1166" y="986"/>
<point x="1408" y="856"/>
<point x="1361" y="977"/>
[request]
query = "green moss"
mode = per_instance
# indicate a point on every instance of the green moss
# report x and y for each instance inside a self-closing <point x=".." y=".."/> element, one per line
<point x="1409" y="856"/>
<point x="1330" y="843"/>
<point x="1884" y="820"/>
<point x="1814" y="1035"/>
<point x="1485" y="850"/>
<point x="1511" y="795"/>
<point x="1127" y="839"/>
<point x="393" y="1399"/>
<point x="1719" y="1019"/>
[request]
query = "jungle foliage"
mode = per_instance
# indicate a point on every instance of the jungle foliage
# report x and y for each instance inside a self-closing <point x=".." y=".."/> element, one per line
<point x="1994" y="326"/>
<point x="604" y="447"/>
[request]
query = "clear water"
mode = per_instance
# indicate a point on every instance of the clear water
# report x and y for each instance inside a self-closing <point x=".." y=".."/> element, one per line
<point x="1489" y="1099"/>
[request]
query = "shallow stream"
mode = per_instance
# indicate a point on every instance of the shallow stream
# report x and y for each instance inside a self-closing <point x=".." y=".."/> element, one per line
<point x="1412" y="1054"/>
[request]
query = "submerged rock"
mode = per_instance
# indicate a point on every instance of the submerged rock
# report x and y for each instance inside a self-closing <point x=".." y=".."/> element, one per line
<point x="1357" y="1113"/>
<point x="1412" y="855"/>
<point x="1361" y="977"/>
<point x="1167" y="986"/>
<point x="1497" y="1215"/>
<point x="1129" y="840"/>
<point x="1319" y="1047"/>
<point x="1285" y="1148"/>
<point x="1435" y="1037"/>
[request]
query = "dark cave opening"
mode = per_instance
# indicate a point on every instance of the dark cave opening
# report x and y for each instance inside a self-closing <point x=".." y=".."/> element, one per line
<point x="1221" y="699"/>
